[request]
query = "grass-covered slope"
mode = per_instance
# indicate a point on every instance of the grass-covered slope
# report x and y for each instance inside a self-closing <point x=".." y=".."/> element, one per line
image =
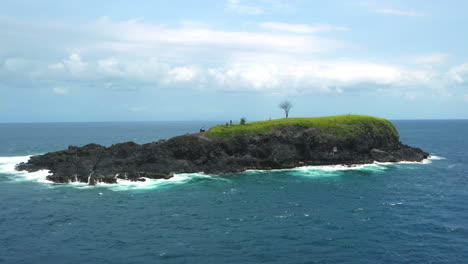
<point x="341" y="125"/>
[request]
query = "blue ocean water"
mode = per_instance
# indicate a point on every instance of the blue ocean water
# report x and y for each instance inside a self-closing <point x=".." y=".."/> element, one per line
<point x="401" y="213"/>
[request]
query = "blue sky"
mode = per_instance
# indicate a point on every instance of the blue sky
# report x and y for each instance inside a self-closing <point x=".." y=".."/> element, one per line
<point x="223" y="59"/>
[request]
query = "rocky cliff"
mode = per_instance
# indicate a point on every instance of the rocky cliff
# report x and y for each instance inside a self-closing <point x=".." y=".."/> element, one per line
<point x="282" y="146"/>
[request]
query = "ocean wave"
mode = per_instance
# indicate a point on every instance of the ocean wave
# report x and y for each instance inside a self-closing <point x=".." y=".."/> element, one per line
<point x="148" y="184"/>
<point x="323" y="171"/>
<point x="433" y="157"/>
<point x="7" y="166"/>
<point x="334" y="170"/>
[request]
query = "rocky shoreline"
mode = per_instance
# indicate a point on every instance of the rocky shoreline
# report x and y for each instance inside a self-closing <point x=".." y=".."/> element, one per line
<point x="284" y="147"/>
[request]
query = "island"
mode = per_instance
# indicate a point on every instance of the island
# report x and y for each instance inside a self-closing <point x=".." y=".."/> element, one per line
<point x="223" y="149"/>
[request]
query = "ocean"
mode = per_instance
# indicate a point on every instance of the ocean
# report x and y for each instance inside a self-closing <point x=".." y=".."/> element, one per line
<point x="379" y="213"/>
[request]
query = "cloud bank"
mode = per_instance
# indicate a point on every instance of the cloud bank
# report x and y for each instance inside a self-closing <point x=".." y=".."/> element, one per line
<point x="122" y="55"/>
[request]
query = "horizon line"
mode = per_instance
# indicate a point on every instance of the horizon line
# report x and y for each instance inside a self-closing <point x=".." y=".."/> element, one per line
<point x="148" y="121"/>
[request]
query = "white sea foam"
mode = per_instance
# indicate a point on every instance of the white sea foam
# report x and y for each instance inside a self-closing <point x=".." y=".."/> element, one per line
<point x="331" y="168"/>
<point x="433" y="157"/>
<point x="320" y="168"/>
<point x="334" y="170"/>
<point x="124" y="185"/>
<point x="425" y="161"/>
<point x="336" y="167"/>
<point x="7" y="166"/>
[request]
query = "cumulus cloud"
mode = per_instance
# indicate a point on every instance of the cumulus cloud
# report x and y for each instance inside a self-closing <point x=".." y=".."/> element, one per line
<point x="262" y="75"/>
<point x="124" y="55"/>
<point x="314" y="76"/>
<point x="182" y="74"/>
<point x="298" y="28"/>
<point x="75" y="64"/>
<point x="459" y="73"/>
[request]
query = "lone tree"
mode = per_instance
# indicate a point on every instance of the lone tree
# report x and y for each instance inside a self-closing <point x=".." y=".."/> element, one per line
<point x="286" y="106"/>
<point x="243" y="120"/>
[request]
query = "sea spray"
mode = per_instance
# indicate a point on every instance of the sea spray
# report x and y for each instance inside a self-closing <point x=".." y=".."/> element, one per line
<point x="7" y="166"/>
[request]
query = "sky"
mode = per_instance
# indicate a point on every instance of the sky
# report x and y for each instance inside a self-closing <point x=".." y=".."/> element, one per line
<point x="149" y="60"/>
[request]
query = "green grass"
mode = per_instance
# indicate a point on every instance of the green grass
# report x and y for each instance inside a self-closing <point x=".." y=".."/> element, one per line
<point x="341" y="125"/>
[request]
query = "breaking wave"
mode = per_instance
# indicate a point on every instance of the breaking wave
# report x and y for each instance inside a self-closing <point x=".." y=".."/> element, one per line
<point x="7" y="167"/>
<point x="148" y="184"/>
<point x="334" y="170"/>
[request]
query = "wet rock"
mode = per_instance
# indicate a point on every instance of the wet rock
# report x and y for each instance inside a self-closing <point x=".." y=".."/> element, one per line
<point x="285" y="147"/>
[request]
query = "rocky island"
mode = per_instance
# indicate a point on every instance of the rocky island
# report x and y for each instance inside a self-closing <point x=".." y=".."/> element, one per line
<point x="264" y="145"/>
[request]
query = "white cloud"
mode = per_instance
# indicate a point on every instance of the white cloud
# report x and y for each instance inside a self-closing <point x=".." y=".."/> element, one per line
<point x="182" y="74"/>
<point x="240" y="7"/>
<point x="314" y="76"/>
<point x="270" y="74"/>
<point x="129" y="55"/>
<point x="398" y="12"/>
<point x="459" y="73"/>
<point x="428" y="59"/>
<point x="298" y="28"/>
<point x="74" y="64"/>
<point x="136" y="35"/>
<point x="350" y="71"/>
<point x="109" y="65"/>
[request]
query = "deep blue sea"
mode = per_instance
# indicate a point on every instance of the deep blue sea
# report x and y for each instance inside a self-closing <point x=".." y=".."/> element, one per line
<point x="400" y="213"/>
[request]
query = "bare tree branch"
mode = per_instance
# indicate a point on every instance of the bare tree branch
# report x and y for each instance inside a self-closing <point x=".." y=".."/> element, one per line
<point x="286" y="106"/>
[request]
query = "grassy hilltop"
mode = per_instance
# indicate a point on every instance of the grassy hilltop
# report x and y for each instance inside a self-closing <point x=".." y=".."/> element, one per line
<point x="345" y="125"/>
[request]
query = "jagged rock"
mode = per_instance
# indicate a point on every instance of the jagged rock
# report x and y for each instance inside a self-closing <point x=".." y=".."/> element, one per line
<point x="284" y="147"/>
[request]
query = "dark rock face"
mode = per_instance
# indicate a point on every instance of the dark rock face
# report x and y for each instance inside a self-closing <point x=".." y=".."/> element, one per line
<point x="286" y="147"/>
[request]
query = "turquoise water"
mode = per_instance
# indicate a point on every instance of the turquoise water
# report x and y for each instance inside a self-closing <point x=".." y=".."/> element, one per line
<point x="380" y="213"/>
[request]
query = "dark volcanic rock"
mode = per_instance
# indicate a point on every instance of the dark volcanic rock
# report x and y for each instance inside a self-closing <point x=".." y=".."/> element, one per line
<point x="285" y="147"/>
